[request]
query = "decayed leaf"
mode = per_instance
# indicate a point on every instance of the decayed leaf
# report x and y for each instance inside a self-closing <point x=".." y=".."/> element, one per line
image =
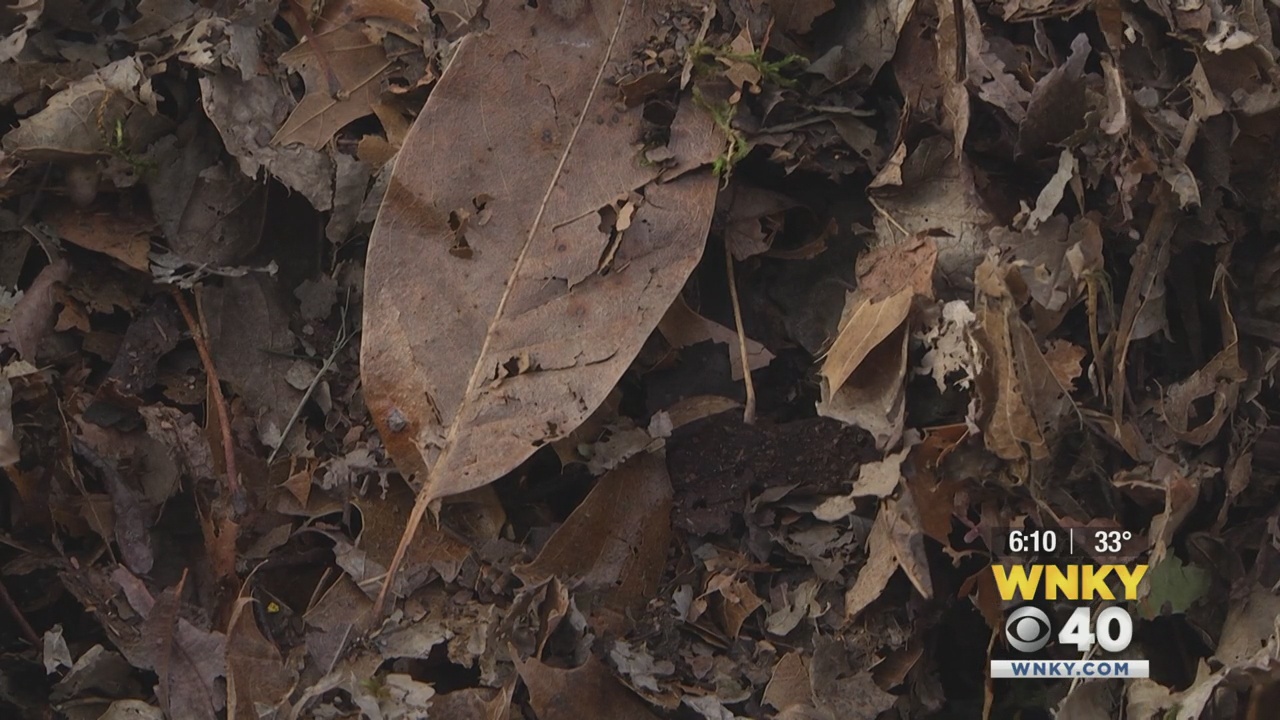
<point x="16" y="35"/>
<point x="357" y="63"/>
<point x="257" y="676"/>
<point x="950" y="346"/>
<point x="841" y="688"/>
<point x="617" y="539"/>
<point x="586" y="691"/>
<point x="187" y="660"/>
<point x="477" y="346"/>
<point x="868" y="38"/>
<point x="32" y="317"/>
<point x="938" y="197"/>
<point x="247" y="114"/>
<point x="78" y="121"/>
<point x="250" y="339"/>
<point x="682" y="327"/>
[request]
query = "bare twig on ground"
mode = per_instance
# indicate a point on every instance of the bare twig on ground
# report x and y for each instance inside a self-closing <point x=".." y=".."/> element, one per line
<point x="749" y="408"/>
<point x="338" y="344"/>
<point x="220" y="402"/>
<point x="28" y="632"/>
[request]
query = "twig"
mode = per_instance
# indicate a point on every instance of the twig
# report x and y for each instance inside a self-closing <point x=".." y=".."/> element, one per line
<point x="749" y="409"/>
<point x="220" y="402"/>
<point x="340" y="342"/>
<point x="888" y="216"/>
<point x="28" y="632"/>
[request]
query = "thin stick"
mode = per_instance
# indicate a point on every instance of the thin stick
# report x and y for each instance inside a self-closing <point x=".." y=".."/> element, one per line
<point x="749" y="409"/>
<point x="219" y="402"/>
<point x="27" y="631"/>
<point x="339" y="343"/>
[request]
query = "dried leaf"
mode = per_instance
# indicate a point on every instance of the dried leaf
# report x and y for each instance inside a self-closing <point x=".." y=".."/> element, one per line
<point x="873" y="576"/>
<point x="616" y="540"/>
<point x="937" y="198"/>
<point x="33" y="316"/>
<point x="247" y="114"/>
<point x="357" y="65"/>
<point x="1009" y="429"/>
<point x="682" y="327"/>
<point x="1052" y="192"/>
<point x="123" y="237"/>
<point x="797" y="16"/>
<point x="864" y="370"/>
<point x="188" y="661"/>
<point x="250" y="339"/>
<point x="586" y="691"/>
<point x="868" y="38"/>
<point x="789" y="685"/>
<point x="888" y="280"/>
<point x="478" y="703"/>
<point x="77" y="122"/>
<point x="257" y="676"/>
<point x="520" y="357"/>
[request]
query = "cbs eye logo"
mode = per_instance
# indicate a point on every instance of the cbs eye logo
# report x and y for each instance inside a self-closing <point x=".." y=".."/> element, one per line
<point x="1027" y="629"/>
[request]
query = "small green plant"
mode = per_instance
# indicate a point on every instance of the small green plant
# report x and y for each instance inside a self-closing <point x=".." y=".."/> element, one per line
<point x="706" y="60"/>
<point x="118" y="146"/>
<point x="115" y="140"/>
<point x="736" y="145"/>
<point x="706" y="57"/>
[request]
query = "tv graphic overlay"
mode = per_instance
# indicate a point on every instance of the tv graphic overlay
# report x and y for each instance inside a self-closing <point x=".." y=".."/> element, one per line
<point x="1067" y="594"/>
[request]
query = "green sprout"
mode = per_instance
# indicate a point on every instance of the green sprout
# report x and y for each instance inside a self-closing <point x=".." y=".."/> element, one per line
<point x="706" y="62"/>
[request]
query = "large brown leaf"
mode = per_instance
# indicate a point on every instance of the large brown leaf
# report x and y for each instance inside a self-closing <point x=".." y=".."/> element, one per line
<point x="525" y="250"/>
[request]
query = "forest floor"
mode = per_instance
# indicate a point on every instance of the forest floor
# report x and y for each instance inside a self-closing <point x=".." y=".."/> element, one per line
<point x="634" y="359"/>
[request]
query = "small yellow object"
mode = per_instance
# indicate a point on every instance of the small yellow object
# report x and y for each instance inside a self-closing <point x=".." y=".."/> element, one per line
<point x="273" y="607"/>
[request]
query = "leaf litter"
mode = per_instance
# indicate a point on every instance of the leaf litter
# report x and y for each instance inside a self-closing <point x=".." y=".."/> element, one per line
<point x="394" y="360"/>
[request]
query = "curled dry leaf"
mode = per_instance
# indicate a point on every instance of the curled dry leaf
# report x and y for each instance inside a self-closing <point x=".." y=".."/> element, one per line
<point x="864" y="371"/>
<point x="1008" y="426"/>
<point x="682" y="327"/>
<point x="1220" y="378"/>
<point x="478" y="345"/>
<point x="896" y="541"/>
